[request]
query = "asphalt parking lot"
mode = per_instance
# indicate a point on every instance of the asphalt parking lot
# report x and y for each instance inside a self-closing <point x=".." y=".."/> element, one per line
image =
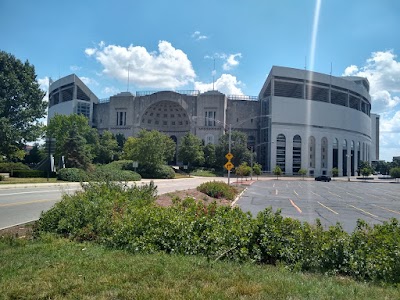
<point x="331" y="202"/>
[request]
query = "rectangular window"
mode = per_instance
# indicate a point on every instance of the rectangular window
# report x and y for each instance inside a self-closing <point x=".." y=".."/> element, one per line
<point x="210" y="118"/>
<point x="121" y="118"/>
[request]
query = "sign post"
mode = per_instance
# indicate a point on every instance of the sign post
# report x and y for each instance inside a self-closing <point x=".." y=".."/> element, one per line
<point x="229" y="165"/>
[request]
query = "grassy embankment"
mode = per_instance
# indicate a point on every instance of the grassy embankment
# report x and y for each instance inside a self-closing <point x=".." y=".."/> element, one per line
<point x="55" y="268"/>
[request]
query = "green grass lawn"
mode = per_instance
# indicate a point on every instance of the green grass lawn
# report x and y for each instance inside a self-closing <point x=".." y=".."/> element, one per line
<point x="54" y="268"/>
<point x="12" y="180"/>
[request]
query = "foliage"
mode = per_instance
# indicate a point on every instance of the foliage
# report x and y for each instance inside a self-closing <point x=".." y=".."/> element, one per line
<point x="107" y="148"/>
<point x="366" y="171"/>
<point x="191" y="150"/>
<point x="156" y="172"/>
<point x="2" y="177"/>
<point x="209" y="156"/>
<point x="243" y="170"/>
<point x="31" y="174"/>
<point x="21" y="105"/>
<point x="382" y="167"/>
<point x="203" y="173"/>
<point x="257" y="169"/>
<point x="395" y="173"/>
<point x="238" y="148"/>
<point x="35" y="156"/>
<point x="107" y="173"/>
<point x="125" y="218"/>
<point x="90" y="214"/>
<point x="63" y="128"/>
<point x="217" y="189"/>
<point x="150" y="149"/>
<point x="8" y="167"/>
<point x="335" y="172"/>
<point x="277" y="171"/>
<point x="120" y="165"/>
<point x="302" y="172"/>
<point x="76" y="152"/>
<point x="72" y="175"/>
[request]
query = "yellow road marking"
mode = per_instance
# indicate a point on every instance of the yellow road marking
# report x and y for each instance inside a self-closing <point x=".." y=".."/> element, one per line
<point x="328" y="208"/>
<point x="393" y="211"/>
<point x="362" y="211"/>
<point x="26" y="202"/>
<point x="295" y="206"/>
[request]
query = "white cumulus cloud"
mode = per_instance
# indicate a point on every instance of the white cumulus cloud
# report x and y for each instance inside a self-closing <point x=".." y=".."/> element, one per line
<point x="168" y="68"/>
<point x="231" y="61"/>
<point x="198" y="36"/>
<point x="227" y="84"/>
<point x="383" y="72"/>
<point x="89" y="81"/>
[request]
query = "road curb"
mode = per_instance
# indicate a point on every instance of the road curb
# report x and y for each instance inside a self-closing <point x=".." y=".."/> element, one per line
<point x="233" y="204"/>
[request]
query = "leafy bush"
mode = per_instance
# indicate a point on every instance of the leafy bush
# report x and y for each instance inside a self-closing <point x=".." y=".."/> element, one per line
<point x="113" y="174"/>
<point x="203" y="173"/>
<point x="125" y="218"/>
<point x="7" y="167"/>
<point x="31" y="174"/>
<point x="217" y="189"/>
<point x="87" y="215"/>
<point x="72" y="175"/>
<point x="120" y="165"/>
<point x="2" y="178"/>
<point x="159" y="172"/>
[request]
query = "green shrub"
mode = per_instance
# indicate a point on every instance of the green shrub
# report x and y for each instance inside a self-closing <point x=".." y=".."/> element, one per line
<point x="31" y="174"/>
<point x="159" y="172"/>
<point x="217" y="189"/>
<point x="7" y="167"/>
<point x="106" y="173"/>
<point x="72" y="175"/>
<point x="203" y="173"/>
<point x="2" y="177"/>
<point x="120" y="165"/>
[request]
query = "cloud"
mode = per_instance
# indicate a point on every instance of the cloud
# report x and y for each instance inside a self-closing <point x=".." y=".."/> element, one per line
<point x="110" y="90"/>
<point x="383" y="72"/>
<point x="198" y="36"/>
<point x="227" y="84"/>
<point x="231" y="61"/>
<point x="75" y="68"/>
<point x="168" y="68"/>
<point x="89" y="81"/>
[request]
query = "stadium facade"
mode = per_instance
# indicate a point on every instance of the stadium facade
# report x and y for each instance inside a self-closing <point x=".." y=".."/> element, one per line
<point x="299" y="120"/>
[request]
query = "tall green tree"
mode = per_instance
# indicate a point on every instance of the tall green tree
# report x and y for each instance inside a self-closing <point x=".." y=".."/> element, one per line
<point x="209" y="156"/>
<point x="238" y="148"/>
<point x="76" y="151"/>
<point x="36" y="154"/>
<point x="150" y="148"/>
<point x="21" y="105"/>
<point x="395" y="173"/>
<point x="191" y="150"/>
<point x="107" y="148"/>
<point x="60" y="126"/>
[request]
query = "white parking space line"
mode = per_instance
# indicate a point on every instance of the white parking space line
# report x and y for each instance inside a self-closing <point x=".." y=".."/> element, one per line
<point x="334" y="194"/>
<point x="354" y="195"/>
<point x="328" y="208"/>
<point x="296" y="193"/>
<point x="384" y="208"/>
<point x="276" y="192"/>
<point x="368" y="213"/>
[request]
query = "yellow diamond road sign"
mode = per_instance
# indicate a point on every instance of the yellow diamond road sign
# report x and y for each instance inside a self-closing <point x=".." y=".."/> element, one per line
<point x="229" y="156"/>
<point x="228" y="165"/>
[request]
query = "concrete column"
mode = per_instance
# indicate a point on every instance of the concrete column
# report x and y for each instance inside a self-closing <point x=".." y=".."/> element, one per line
<point x="305" y="164"/>
<point x="289" y="155"/>
<point x="330" y="157"/>
<point x="356" y="159"/>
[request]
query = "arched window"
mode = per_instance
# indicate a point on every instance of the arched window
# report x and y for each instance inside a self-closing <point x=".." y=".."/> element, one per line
<point x="281" y="151"/>
<point x="324" y="153"/>
<point x="251" y="141"/>
<point x="344" y="156"/>
<point x="335" y="153"/>
<point x="296" y="154"/>
<point x="311" y="149"/>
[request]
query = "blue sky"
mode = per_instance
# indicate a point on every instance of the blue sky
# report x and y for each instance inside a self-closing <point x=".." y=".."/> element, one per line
<point x="172" y="45"/>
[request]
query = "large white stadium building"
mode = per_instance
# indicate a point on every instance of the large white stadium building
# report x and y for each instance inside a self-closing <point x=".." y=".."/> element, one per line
<point x="300" y="119"/>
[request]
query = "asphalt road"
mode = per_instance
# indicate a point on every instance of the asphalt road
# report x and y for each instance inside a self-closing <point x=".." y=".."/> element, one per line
<point x="23" y="203"/>
<point x="331" y="202"/>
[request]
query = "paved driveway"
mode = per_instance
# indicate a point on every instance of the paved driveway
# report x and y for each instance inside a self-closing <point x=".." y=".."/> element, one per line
<point x="331" y="202"/>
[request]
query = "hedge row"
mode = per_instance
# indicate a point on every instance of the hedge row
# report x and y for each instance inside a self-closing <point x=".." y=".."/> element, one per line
<point x="8" y="167"/>
<point x="127" y="219"/>
<point x="101" y="173"/>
